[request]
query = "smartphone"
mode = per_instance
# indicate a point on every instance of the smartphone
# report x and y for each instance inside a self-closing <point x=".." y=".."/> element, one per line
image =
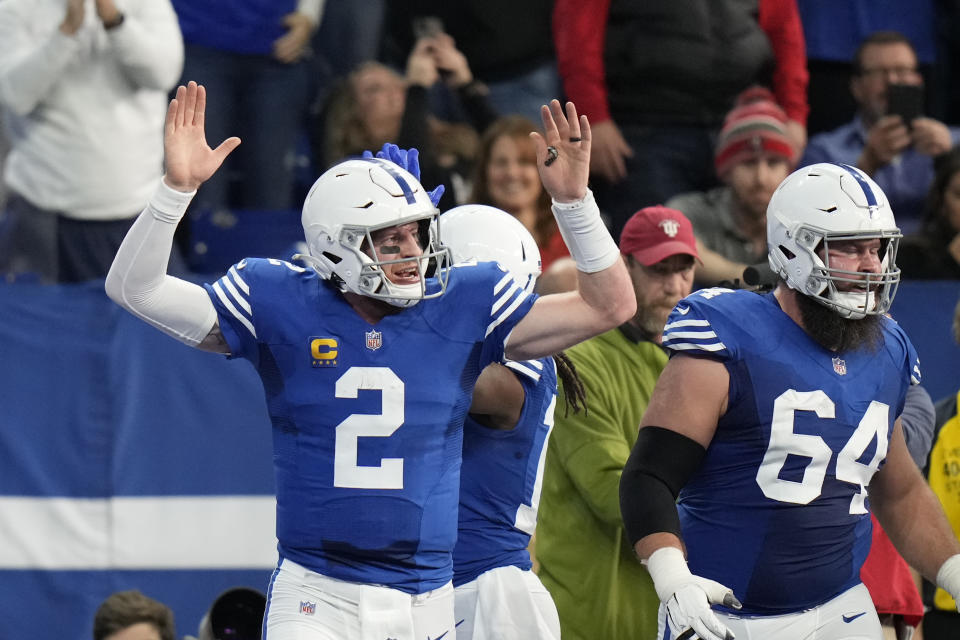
<point x="427" y="27"/>
<point x="905" y="100"/>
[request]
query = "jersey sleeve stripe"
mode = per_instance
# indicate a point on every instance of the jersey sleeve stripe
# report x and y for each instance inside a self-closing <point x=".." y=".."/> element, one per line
<point x="686" y="346"/>
<point x="504" y="281"/>
<point x="240" y="283"/>
<point x="702" y="335"/>
<point x="237" y="296"/>
<point x="504" y="297"/>
<point x="506" y="313"/>
<point x="686" y="323"/>
<point x="232" y="309"/>
<point x="523" y="368"/>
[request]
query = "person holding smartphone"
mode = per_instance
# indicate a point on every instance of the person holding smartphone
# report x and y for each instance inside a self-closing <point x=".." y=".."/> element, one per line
<point x="890" y="138"/>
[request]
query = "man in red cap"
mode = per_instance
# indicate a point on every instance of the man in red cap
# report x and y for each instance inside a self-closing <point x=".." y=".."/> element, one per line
<point x="753" y="154"/>
<point x="600" y="590"/>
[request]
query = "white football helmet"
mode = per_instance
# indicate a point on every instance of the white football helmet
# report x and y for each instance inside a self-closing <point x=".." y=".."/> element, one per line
<point x="823" y="203"/>
<point x="349" y="202"/>
<point x="487" y="234"/>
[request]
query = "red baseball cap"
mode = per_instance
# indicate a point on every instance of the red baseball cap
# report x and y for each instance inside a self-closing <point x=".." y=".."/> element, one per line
<point x="655" y="233"/>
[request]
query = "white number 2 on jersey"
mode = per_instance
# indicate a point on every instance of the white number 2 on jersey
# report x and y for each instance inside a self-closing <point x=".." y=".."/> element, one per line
<point x="346" y="472"/>
<point x="784" y="442"/>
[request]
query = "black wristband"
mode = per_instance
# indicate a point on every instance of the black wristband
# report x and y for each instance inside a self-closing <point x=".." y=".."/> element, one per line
<point x="661" y="463"/>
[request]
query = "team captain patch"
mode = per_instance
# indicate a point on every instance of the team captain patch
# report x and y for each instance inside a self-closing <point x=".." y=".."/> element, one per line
<point x="324" y="351"/>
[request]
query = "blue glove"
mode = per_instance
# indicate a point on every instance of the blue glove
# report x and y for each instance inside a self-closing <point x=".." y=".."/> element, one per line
<point x="408" y="159"/>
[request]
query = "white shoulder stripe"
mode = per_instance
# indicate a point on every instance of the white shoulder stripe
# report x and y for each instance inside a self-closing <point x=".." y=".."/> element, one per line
<point x="686" y="323"/>
<point x="524" y="368"/>
<point x="504" y="297"/>
<point x="240" y="283"/>
<point x="236" y="295"/>
<point x="702" y="335"/>
<point x="504" y="281"/>
<point x="233" y="310"/>
<point x="686" y="346"/>
<point x="506" y="312"/>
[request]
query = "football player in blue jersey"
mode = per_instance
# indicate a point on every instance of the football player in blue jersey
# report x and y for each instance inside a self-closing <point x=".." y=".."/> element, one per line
<point x="368" y="365"/>
<point x="497" y="595"/>
<point x="776" y="428"/>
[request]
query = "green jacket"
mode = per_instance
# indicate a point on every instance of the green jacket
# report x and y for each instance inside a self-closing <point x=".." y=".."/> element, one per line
<point x="600" y="588"/>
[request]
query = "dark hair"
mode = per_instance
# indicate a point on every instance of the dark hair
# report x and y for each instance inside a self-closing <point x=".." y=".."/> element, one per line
<point x="124" y="609"/>
<point x="879" y="38"/>
<point x="574" y="394"/>
<point x="518" y="128"/>
<point x="936" y="227"/>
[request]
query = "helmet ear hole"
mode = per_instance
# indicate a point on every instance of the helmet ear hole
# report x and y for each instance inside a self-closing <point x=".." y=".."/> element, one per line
<point x="335" y="259"/>
<point x="789" y="255"/>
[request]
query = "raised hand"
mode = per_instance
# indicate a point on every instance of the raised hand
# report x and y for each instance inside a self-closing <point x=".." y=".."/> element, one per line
<point x="566" y="139"/>
<point x="189" y="160"/>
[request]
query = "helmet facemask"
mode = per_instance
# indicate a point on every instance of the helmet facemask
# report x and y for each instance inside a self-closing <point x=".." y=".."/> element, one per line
<point x="829" y="285"/>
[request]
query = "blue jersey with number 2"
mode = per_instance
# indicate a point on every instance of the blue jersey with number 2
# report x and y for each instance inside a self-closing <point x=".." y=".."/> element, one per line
<point x="367" y="419"/>
<point x="778" y="510"/>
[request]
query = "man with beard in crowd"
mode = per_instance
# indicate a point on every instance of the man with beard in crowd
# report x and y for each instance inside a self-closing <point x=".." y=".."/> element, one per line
<point x="776" y="418"/>
<point x="599" y="589"/>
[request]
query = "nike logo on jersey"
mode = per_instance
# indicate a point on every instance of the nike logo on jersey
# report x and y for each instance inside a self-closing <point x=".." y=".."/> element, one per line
<point x="440" y="637"/>
<point x="683" y="310"/>
<point x="849" y="619"/>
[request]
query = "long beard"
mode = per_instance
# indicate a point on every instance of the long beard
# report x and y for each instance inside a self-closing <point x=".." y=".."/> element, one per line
<point x="839" y="334"/>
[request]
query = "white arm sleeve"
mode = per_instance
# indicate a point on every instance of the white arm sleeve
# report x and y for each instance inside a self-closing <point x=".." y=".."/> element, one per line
<point x="138" y="279"/>
<point x="584" y="233"/>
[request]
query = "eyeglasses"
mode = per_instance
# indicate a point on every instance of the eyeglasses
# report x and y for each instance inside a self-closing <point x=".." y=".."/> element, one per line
<point x="893" y="73"/>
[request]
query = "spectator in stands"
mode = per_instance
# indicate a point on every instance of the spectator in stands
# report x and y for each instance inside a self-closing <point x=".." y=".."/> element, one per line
<point x="898" y="155"/>
<point x="833" y="31"/>
<point x="934" y="251"/>
<point x="253" y="58"/>
<point x="130" y="615"/>
<point x="586" y="563"/>
<point x="656" y="77"/>
<point x="753" y="154"/>
<point x="506" y="177"/>
<point x="84" y="87"/>
<point x="941" y="620"/>
<point x="508" y="44"/>
<point x="378" y="105"/>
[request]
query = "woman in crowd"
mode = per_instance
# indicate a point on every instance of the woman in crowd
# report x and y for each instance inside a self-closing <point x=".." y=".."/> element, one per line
<point x="934" y="252"/>
<point x="506" y="177"/>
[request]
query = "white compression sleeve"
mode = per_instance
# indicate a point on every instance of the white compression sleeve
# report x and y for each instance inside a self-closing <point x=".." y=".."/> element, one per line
<point x="138" y="279"/>
<point x="584" y="233"/>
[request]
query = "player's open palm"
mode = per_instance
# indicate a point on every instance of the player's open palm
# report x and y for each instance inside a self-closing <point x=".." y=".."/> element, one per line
<point x="563" y="152"/>
<point x="189" y="159"/>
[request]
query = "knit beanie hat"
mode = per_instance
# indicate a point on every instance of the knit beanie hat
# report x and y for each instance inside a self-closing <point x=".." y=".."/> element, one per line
<point x="755" y="125"/>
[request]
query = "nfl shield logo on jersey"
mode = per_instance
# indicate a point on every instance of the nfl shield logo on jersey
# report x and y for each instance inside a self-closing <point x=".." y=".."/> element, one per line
<point x="374" y="339"/>
<point x="840" y="366"/>
<point x="308" y="608"/>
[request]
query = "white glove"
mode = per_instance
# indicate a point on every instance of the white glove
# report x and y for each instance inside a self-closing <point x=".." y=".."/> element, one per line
<point x="948" y="578"/>
<point x="688" y="597"/>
